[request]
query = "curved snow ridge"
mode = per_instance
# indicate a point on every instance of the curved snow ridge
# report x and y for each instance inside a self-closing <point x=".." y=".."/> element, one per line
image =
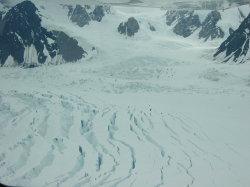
<point x="65" y="141"/>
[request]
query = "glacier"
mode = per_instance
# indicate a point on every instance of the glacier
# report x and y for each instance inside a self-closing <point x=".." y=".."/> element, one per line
<point x="149" y="110"/>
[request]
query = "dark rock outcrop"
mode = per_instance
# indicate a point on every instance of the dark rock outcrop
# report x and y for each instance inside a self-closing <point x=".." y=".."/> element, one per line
<point x="21" y="28"/>
<point x="68" y="47"/>
<point x="173" y="15"/>
<point x="98" y="13"/>
<point x="83" y="15"/>
<point x="129" y="28"/>
<point x="80" y="16"/>
<point x="209" y="27"/>
<point x="3" y="185"/>
<point x="236" y="46"/>
<point x="186" y="22"/>
<point x="151" y="27"/>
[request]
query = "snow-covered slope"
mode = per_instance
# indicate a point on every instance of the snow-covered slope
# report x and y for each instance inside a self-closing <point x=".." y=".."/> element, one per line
<point x="148" y="110"/>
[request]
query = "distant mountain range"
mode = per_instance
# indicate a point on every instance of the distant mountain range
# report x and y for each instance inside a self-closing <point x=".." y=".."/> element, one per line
<point x="24" y="41"/>
<point x="234" y="48"/>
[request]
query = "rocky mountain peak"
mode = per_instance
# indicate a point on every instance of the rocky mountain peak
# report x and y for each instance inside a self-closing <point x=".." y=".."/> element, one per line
<point x="83" y="15"/>
<point x="210" y="28"/>
<point x="186" y="22"/>
<point x="236" y="46"/>
<point x="80" y="16"/>
<point x="24" y="39"/>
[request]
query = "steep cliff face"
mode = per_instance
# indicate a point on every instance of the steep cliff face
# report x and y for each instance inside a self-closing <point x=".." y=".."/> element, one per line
<point x="186" y="22"/>
<point x="68" y="47"/>
<point x="236" y="46"/>
<point x="173" y="15"/>
<point x="209" y="29"/>
<point x="23" y="39"/>
<point x="98" y="13"/>
<point x="80" y="16"/>
<point x="83" y="15"/>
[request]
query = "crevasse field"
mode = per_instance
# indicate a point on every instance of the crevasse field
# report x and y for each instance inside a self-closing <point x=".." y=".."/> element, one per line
<point x="151" y="110"/>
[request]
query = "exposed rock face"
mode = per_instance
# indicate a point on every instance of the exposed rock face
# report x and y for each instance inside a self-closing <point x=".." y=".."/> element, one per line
<point x="173" y="15"/>
<point x="83" y="15"/>
<point x="151" y="27"/>
<point x="98" y="13"/>
<point x="210" y="28"/>
<point x="129" y="28"/>
<point x="21" y="28"/>
<point x="23" y="39"/>
<point x="68" y="47"/>
<point x="80" y="16"/>
<point x="236" y="46"/>
<point x="186" y="22"/>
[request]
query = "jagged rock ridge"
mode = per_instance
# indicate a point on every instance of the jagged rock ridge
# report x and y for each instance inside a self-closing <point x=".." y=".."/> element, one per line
<point x="82" y="15"/>
<point x="68" y="47"/>
<point x="24" y="39"/>
<point x="209" y="27"/>
<point x="236" y="46"/>
<point x="185" y="23"/>
<point x="98" y="13"/>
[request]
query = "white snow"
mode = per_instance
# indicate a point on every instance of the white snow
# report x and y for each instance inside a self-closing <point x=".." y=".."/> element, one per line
<point x="10" y="62"/>
<point x="30" y="55"/>
<point x="152" y="110"/>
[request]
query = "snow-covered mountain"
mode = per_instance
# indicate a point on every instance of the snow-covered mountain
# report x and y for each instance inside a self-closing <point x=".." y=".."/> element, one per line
<point x="24" y="41"/>
<point x="44" y="44"/>
<point x="187" y="23"/>
<point x="140" y="107"/>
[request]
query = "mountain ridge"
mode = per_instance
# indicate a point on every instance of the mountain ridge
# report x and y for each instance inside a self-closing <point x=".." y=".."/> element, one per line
<point x="207" y="26"/>
<point x="22" y="29"/>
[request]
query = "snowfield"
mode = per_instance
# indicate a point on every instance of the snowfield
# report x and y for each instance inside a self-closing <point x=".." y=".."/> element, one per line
<point x="151" y="110"/>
